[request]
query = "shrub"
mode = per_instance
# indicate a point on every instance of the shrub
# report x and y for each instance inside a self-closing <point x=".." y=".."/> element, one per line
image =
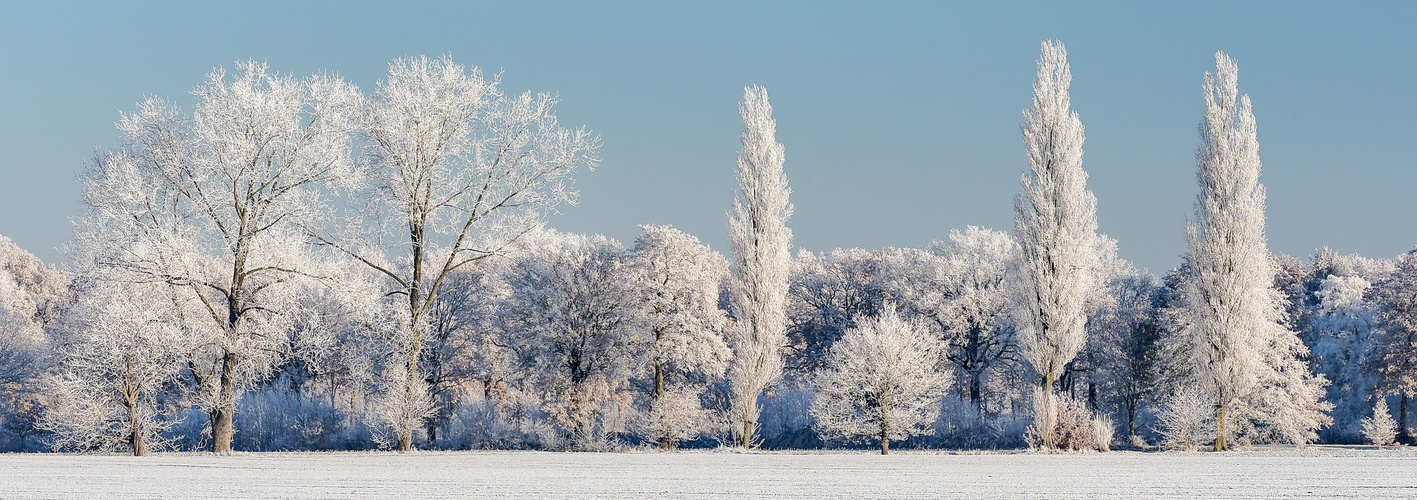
<point x="1380" y="428"/>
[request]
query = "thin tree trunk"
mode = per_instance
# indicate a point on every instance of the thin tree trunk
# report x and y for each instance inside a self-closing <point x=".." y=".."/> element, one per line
<point x="409" y="420"/>
<point x="1403" y="434"/>
<point x="1220" y="428"/>
<point x="1131" y="420"/>
<point x="885" y="432"/>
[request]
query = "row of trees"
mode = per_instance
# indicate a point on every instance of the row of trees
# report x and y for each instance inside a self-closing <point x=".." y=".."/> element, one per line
<point x="299" y="265"/>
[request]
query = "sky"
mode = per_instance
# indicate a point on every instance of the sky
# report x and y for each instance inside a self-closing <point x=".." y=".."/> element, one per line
<point x="900" y="120"/>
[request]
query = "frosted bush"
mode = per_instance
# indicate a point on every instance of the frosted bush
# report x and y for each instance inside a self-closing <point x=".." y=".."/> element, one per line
<point x="1103" y="431"/>
<point x="1072" y="426"/>
<point x="1186" y="421"/>
<point x="1380" y="428"/>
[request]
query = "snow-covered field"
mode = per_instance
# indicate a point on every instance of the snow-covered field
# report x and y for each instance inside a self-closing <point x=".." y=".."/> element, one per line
<point x="1316" y="472"/>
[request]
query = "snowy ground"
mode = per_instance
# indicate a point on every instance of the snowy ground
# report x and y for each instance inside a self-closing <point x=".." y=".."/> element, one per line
<point x="1316" y="472"/>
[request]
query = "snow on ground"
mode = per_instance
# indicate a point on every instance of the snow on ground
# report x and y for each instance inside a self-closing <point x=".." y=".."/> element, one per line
<point x="1316" y="472"/>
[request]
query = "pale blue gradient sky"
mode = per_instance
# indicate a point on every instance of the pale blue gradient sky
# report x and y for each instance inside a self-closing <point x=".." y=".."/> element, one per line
<point x="900" y="120"/>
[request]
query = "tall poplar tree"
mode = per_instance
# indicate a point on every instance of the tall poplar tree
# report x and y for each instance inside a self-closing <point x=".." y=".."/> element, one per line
<point x="1055" y="221"/>
<point x="1232" y="344"/>
<point x="760" y="239"/>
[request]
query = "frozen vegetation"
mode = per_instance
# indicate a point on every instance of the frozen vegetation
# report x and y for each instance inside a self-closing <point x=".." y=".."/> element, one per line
<point x="1312" y="473"/>
<point x="297" y="264"/>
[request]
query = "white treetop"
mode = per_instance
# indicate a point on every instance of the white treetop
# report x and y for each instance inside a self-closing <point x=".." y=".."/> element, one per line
<point x="681" y="331"/>
<point x="214" y="204"/>
<point x="459" y="172"/>
<point x="1233" y="345"/>
<point x="761" y="244"/>
<point x="1055" y="222"/>
<point x="880" y="382"/>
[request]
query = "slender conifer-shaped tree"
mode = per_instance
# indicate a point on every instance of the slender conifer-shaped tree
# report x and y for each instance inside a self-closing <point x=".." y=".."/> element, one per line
<point x="760" y="239"/>
<point x="1232" y="344"/>
<point x="1055" y="221"/>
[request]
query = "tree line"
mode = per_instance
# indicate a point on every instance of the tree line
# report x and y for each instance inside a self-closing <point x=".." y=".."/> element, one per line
<point x="298" y="264"/>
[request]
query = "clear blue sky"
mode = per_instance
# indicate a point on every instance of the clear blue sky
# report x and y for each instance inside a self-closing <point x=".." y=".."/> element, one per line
<point x="901" y="120"/>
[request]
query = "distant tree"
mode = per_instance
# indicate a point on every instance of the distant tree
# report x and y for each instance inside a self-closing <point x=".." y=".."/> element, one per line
<point x="826" y="293"/>
<point x="761" y="262"/>
<point x="458" y="172"/>
<point x="1231" y="343"/>
<point x="969" y="306"/>
<point x="1124" y="343"/>
<point x="881" y="382"/>
<point x="1341" y="329"/>
<point x="569" y="320"/>
<point x="1395" y="348"/>
<point x="32" y="296"/>
<point x="681" y="331"/>
<point x="1055" y="222"/>
<point x="213" y="205"/>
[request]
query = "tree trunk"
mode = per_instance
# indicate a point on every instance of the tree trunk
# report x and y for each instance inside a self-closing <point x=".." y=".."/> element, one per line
<point x="976" y="395"/>
<point x="747" y="434"/>
<point x="1131" y="420"/>
<point x="416" y="304"/>
<point x="224" y="414"/>
<point x="885" y="432"/>
<point x="135" y="440"/>
<point x="1049" y="416"/>
<point x="408" y="420"/>
<point x="665" y="443"/>
<point x="1220" y="428"/>
<point x="1403" y="434"/>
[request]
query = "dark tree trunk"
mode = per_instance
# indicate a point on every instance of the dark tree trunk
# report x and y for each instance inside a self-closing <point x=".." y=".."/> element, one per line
<point x="223" y="415"/>
<point x="1403" y="434"/>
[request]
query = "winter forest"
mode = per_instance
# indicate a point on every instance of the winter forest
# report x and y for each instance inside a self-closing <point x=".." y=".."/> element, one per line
<point x="295" y="263"/>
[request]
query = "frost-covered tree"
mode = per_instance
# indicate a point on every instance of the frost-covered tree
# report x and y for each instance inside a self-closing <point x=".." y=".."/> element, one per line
<point x="460" y="355"/>
<point x="1395" y="348"/>
<point x="1231" y="343"/>
<point x="1055" y="222"/>
<point x="459" y="171"/>
<point x="680" y="332"/>
<point x="974" y="315"/>
<point x="826" y="293"/>
<point x="1342" y="327"/>
<point x="122" y="347"/>
<point x="1123" y="345"/>
<point x="880" y="381"/>
<point x="761" y="244"/>
<point x="32" y="296"/>
<point x="212" y="205"/>
<point x="1380" y="428"/>
<point x="569" y="321"/>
